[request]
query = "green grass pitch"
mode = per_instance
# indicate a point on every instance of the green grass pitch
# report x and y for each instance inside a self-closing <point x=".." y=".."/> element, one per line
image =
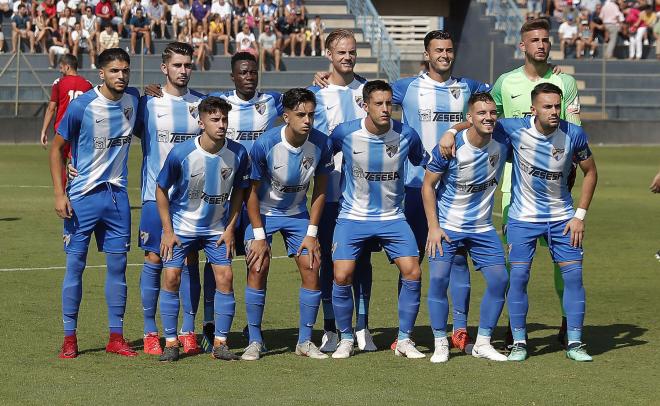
<point x="621" y="278"/>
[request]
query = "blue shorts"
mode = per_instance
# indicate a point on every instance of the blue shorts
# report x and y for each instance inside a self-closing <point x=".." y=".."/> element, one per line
<point x="215" y="254"/>
<point x="414" y="210"/>
<point x="351" y="237"/>
<point x="522" y="236"/>
<point x="293" y="230"/>
<point x="104" y="210"/>
<point x="151" y="228"/>
<point x="485" y="248"/>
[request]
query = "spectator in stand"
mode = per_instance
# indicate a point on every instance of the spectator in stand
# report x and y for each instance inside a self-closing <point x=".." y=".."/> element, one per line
<point x="299" y="34"/>
<point x="268" y="47"/>
<point x="199" y="13"/>
<point x="181" y="19"/>
<point x="656" y="33"/>
<point x="200" y="44"/>
<point x="127" y="9"/>
<point x="242" y="16"/>
<point x="612" y="17"/>
<point x="79" y="41"/>
<point x="600" y="33"/>
<point x="568" y="34"/>
<point x="6" y="11"/>
<point x="50" y="10"/>
<point x="60" y="46"/>
<point x="21" y="28"/>
<point x="67" y="20"/>
<point x="88" y="25"/>
<point x="586" y="38"/>
<point x="268" y="14"/>
<point x="534" y="8"/>
<point x="156" y="14"/>
<point x="106" y="15"/>
<point x="140" y="29"/>
<point x="633" y="21"/>
<point x="42" y="30"/>
<point x="317" y="27"/>
<point x="245" y="41"/>
<point x="218" y="32"/>
<point x="108" y="38"/>
<point x="284" y="31"/>
<point x="224" y="9"/>
<point x="295" y="7"/>
<point x="646" y="18"/>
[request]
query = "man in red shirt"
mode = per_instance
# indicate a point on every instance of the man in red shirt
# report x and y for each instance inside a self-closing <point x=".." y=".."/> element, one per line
<point x="105" y="12"/>
<point x="65" y="89"/>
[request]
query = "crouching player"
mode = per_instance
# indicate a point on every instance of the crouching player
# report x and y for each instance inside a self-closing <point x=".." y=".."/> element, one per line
<point x="375" y="150"/>
<point x="199" y="196"/>
<point x="461" y="214"/>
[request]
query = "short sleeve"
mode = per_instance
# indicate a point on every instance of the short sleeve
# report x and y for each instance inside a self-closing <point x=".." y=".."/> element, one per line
<point x="171" y="171"/>
<point x="277" y="99"/>
<point x="242" y="177"/>
<point x="336" y="139"/>
<point x="496" y="92"/>
<point x="55" y="91"/>
<point x="581" y="150"/>
<point x="259" y="164"/>
<point x="417" y="155"/>
<point x="571" y="100"/>
<point x="326" y="162"/>
<point x="141" y="118"/>
<point x="70" y="124"/>
<point x="438" y="164"/>
<point x="399" y="89"/>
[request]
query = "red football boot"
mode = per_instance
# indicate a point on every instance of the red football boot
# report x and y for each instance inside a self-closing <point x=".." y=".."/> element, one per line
<point x="118" y="345"/>
<point x="152" y="344"/>
<point x="69" y="347"/>
<point x="189" y="343"/>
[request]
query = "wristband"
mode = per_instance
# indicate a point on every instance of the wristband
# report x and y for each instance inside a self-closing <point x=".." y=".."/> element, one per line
<point x="312" y="230"/>
<point x="259" y="233"/>
<point x="580" y="213"/>
<point x="453" y="131"/>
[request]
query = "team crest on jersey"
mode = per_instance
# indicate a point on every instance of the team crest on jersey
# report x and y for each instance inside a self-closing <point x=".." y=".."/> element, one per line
<point x="163" y="135"/>
<point x="583" y="154"/>
<point x="557" y="153"/>
<point x="358" y="173"/>
<point x="359" y="101"/>
<point x="99" y="142"/>
<point x="456" y="92"/>
<point x="260" y="107"/>
<point x="494" y="159"/>
<point x="307" y="162"/>
<point x="425" y="115"/>
<point x="67" y="239"/>
<point x="391" y="149"/>
<point x="192" y="109"/>
<point x="128" y="112"/>
<point x="144" y="237"/>
<point x="226" y="172"/>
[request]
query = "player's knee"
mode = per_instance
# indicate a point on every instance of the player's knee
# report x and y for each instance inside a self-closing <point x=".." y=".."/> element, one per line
<point x="152" y="257"/>
<point x="343" y="278"/>
<point x="171" y="280"/>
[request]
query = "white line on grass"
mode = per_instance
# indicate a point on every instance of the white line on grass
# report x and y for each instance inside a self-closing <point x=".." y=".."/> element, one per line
<point x="53" y="268"/>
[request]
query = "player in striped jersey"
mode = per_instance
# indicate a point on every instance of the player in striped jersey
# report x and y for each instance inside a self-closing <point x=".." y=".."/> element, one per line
<point x="340" y="101"/>
<point x="432" y="102"/>
<point x="284" y="161"/>
<point x="164" y="122"/>
<point x="199" y="195"/>
<point x="459" y="212"/>
<point x="98" y="125"/>
<point x="375" y="150"/>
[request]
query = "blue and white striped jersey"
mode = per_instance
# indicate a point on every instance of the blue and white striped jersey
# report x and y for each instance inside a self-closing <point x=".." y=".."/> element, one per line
<point x="200" y="185"/>
<point x="336" y="105"/>
<point x="100" y="132"/>
<point x="372" y="180"/>
<point x="431" y="108"/>
<point x="163" y="122"/>
<point x="541" y="166"/>
<point x="284" y="171"/>
<point x="249" y="119"/>
<point x="469" y="180"/>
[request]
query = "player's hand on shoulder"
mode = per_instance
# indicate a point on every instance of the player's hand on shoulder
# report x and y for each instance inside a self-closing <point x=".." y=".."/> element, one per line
<point x="434" y="241"/>
<point x="167" y="243"/>
<point x="154" y="90"/>
<point x="576" y="227"/>
<point x="321" y="79"/>
<point x="556" y="69"/>
<point x="227" y="237"/>
<point x="63" y="207"/>
<point x="311" y="244"/>
<point x="448" y="145"/>
<point x="257" y="253"/>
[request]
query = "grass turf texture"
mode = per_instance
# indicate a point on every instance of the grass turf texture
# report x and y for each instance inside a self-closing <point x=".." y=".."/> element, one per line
<point x="620" y="277"/>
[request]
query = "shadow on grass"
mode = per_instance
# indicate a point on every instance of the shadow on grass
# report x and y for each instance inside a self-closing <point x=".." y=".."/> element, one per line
<point x="10" y="218"/>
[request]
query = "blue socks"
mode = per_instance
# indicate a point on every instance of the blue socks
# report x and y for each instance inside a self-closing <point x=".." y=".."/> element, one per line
<point x="255" y="301"/>
<point x="437" y="297"/>
<point x="408" y="306"/>
<point x="149" y="288"/>
<point x="518" y="301"/>
<point x="574" y="300"/>
<point x="189" y="290"/>
<point x="72" y="291"/>
<point x="309" y="300"/>
<point x="115" y="291"/>
<point x="342" y="304"/>
<point x="493" y="301"/>
<point x="209" y="293"/>
<point x="459" y="287"/>
<point x="224" y="309"/>
<point x="169" y="312"/>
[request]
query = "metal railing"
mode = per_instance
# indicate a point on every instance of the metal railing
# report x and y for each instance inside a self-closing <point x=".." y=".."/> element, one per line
<point x="367" y="19"/>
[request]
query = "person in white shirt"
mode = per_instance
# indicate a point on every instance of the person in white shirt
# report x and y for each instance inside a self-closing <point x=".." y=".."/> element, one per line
<point x="180" y="18"/>
<point x="245" y="41"/>
<point x="268" y="46"/>
<point x="568" y="33"/>
<point x="224" y="9"/>
<point x="317" y="27"/>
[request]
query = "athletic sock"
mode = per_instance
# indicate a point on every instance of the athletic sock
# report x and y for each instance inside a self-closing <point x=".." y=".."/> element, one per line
<point x="459" y="287"/>
<point x="483" y="338"/>
<point x="189" y="290"/>
<point x="574" y="300"/>
<point x="518" y="301"/>
<point x="437" y="296"/>
<point x="325" y="278"/>
<point x="209" y="293"/>
<point x="72" y="290"/>
<point x="362" y="282"/>
<point x="493" y="299"/>
<point x="149" y="288"/>
<point x="559" y="287"/>
<point x="408" y="306"/>
<point x="255" y="300"/>
<point x="328" y="315"/>
<point x="224" y="309"/>
<point x="342" y="304"/>
<point x="309" y="302"/>
<point x="169" y="312"/>
<point x="115" y="291"/>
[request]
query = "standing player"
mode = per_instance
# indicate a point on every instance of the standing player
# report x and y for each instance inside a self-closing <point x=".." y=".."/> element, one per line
<point x="545" y="148"/>
<point x="98" y="125"/>
<point x="205" y="178"/>
<point x="284" y="161"/>
<point x="340" y="101"/>
<point x="464" y="204"/>
<point x="374" y="152"/>
<point x="432" y="102"/>
<point x="64" y="90"/>
<point x="164" y="122"/>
